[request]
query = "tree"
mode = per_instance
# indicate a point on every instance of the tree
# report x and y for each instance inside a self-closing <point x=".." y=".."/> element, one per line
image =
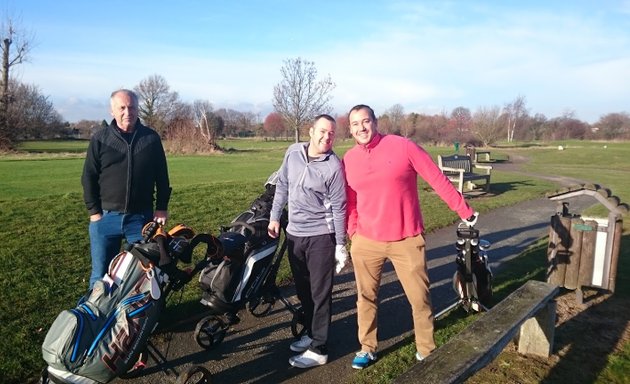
<point x="85" y="128"/>
<point x="16" y="45"/>
<point x="614" y="125"/>
<point x="233" y="122"/>
<point x="411" y="124"/>
<point x="299" y="96"/>
<point x="536" y="126"/>
<point x="431" y="129"/>
<point x="274" y="125"/>
<point x="157" y="104"/>
<point x="343" y="127"/>
<point x="397" y="119"/>
<point x="206" y="122"/>
<point x="461" y="120"/>
<point x="32" y="115"/>
<point x="486" y="125"/>
<point x="515" y="114"/>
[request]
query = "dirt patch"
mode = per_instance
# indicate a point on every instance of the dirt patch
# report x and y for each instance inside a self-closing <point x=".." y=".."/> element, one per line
<point x="585" y="336"/>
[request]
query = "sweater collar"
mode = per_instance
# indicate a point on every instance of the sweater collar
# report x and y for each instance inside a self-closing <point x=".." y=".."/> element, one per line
<point x="373" y="143"/>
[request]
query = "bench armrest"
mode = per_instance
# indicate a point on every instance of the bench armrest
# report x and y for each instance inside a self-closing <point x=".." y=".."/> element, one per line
<point x="451" y="169"/>
<point x="488" y="168"/>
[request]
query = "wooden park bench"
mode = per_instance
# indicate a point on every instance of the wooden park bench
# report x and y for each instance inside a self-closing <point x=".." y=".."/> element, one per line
<point x="529" y="313"/>
<point x="484" y="154"/>
<point x="460" y="169"/>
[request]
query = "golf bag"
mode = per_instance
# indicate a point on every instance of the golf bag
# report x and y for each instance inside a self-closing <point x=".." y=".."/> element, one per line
<point x="104" y="335"/>
<point x="473" y="278"/>
<point x="248" y="252"/>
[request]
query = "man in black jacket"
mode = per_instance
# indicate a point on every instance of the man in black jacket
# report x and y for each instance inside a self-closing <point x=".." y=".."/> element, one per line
<point x="125" y="172"/>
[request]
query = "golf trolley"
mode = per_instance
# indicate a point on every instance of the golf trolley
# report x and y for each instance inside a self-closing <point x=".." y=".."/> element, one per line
<point x="245" y="274"/>
<point x="256" y="290"/>
<point x="472" y="281"/>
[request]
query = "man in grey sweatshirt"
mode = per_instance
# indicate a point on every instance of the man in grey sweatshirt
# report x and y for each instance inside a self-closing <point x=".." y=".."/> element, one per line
<point x="311" y="182"/>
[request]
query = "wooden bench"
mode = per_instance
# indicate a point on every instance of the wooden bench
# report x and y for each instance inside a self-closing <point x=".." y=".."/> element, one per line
<point x="530" y="310"/>
<point x="484" y="154"/>
<point x="460" y="169"/>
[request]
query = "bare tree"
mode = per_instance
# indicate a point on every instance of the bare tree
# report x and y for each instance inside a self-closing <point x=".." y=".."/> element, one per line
<point x="16" y="45"/>
<point x="397" y="119"/>
<point x="299" y="97"/>
<point x="205" y="121"/>
<point x="232" y="121"/>
<point x="486" y="124"/>
<point x="515" y="114"/>
<point x="31" y="115"/>
<point x="461" y="120"/>
<point x="158" y="105"/>
<point x="536" y="126"/>
<point x="614" y="125"/>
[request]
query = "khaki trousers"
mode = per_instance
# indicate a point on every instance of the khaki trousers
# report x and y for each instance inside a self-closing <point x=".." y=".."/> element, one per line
<point x="409" y="261"/>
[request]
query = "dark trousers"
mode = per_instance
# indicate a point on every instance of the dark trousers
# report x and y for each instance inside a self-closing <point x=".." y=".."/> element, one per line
<point x="312" y="261"/>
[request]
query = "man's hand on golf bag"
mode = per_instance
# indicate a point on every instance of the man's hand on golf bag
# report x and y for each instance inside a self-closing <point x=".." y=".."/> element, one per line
<point x="342" y="259"/>
<point x="472" y="220"/>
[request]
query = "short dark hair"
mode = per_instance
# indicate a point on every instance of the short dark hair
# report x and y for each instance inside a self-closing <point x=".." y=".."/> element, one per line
<point x="324" y="116"/>
<point x="359" y="107"/>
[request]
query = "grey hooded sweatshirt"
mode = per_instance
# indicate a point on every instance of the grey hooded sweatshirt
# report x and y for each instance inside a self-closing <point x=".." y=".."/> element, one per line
<point x="315" y="192"/>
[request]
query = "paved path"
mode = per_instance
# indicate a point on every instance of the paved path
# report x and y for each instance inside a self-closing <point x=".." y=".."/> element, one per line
<point x="257" y="349"/>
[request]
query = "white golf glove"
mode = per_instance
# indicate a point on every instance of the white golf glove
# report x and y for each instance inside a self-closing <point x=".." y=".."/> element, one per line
<point x="472" y="220"/>
<point x="341" y="258"/>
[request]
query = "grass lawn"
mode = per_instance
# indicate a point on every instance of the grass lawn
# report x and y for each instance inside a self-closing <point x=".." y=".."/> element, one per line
<point x="45" y="248"/>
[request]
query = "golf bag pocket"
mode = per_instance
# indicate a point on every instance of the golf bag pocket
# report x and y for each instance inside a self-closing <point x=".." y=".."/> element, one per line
<point x="219" y="281"/>
<point x="103" y="336"/>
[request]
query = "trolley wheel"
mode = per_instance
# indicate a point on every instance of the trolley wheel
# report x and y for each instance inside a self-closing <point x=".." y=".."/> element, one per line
<point x="260" y="306"/>
<point x="297" y="324"/>
<point x="210" y="331"/>
<point x="195" y="375"/>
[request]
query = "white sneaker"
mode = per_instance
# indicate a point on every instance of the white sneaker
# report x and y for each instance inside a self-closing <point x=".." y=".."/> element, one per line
<point x="308" y="359"/>
<point x="302" y="344"/>
<point x="419" y="357"/>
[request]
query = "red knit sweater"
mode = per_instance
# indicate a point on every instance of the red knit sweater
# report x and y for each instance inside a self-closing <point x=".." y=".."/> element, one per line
<point x="382" y="190"/>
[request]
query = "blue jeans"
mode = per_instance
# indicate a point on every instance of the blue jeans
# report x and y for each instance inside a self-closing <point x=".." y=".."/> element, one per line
<point x="106" y="237"/>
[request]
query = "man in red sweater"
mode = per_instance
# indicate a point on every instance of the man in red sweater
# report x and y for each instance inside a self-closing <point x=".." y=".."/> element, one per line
<point x="385" y="222"/>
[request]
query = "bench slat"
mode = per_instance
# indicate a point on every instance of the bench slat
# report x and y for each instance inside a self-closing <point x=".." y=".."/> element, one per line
<point x="483" y="340"/>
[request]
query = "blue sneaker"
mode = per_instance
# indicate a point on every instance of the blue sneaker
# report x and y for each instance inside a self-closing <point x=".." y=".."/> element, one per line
<point x="363" y="359"/>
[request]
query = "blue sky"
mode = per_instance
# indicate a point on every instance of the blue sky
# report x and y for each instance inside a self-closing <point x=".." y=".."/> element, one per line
<point x="429" y="56"/>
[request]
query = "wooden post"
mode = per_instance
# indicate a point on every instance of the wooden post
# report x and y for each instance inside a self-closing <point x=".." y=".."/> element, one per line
<point x="614" y="257"/>
<point x="536" y="334"/>
<point x="574" y="253"/>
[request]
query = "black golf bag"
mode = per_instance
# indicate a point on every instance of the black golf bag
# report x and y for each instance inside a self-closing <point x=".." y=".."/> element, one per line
<point x="246" y="274"/>
<point x="248" y="252"/>
<point x="472" y="280"/>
